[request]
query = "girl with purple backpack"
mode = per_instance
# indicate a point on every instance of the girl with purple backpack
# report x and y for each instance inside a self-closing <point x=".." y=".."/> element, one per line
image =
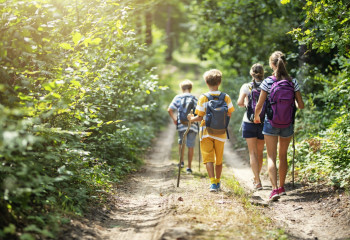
<point x="283" y="96"/>
<point x="248" y="97"/>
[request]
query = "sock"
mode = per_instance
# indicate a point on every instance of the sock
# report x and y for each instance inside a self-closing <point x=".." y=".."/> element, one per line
<point x="212" y="180"/>
<point x="217" y="180"/>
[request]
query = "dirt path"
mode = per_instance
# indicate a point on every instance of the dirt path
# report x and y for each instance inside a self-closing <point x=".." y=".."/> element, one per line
<point x="307" y="212"/>
<point x="148" y="205"/>
<point x="141" y="205"/>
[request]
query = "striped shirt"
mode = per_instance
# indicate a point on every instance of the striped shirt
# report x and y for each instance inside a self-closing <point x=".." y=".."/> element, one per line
<point x="201" y="110"/>
<point x="175" y="105"/>
<point x="267" y="83"/>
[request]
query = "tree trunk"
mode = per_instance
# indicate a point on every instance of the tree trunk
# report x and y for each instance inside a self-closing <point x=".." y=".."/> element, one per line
<point x="302" y="59"/>
<point x="170" y="49"/>
<point x="138" y="25"/>
<point x="148" y="28"/>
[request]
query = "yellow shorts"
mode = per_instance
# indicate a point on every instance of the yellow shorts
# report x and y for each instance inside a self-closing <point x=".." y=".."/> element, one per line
<point x="212" y="150"/>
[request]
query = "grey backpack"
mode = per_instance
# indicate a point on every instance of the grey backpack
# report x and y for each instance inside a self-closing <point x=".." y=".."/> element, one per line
<point x="216" y="118"/>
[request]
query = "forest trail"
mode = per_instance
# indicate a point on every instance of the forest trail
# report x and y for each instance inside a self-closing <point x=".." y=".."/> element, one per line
<point x="148" y="205"/>
<point x="305" y="212"/>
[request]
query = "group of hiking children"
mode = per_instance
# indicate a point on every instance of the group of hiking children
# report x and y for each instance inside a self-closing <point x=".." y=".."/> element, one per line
<point x="269" y="119"/>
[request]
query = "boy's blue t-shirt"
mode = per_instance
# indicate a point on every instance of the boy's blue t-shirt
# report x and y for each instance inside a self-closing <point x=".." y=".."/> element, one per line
<point x="175" y="104"/>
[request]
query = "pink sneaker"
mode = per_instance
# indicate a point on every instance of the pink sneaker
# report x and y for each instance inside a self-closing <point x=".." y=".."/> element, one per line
<point x="281" y="191"/>
<point x="274" y="195"/>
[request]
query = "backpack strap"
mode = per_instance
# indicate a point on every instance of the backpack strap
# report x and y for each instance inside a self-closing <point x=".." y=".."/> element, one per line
<point x="209" y="96"/>
<point x="185" y="100"/>
<point x="194" y="106"/>
<point x="222" y="96"/>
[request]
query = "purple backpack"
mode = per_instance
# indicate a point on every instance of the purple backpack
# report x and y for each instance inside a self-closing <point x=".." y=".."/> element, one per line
<point x="252" y="101"/>
<point x="281" y="103"/>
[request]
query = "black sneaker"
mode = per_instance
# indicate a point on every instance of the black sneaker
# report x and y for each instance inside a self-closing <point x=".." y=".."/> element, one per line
<point x="189" y="171"/>
<point x="182" y="164"/>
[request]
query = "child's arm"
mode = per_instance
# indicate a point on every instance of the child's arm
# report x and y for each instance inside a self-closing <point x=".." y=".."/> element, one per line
<point x="299" y="100"/>
<point x="259" y="106"/>
<point x="242" y="96"/>
<point x="172" y="115"/>
<point x="193" y="118"/>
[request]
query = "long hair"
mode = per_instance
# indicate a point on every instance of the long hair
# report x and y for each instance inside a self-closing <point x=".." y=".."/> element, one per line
<point x="279" y="60"/>
<point x="257" y="72"/>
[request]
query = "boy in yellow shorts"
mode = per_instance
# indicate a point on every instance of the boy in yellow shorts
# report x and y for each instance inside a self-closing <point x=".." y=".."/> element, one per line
<point x="212" y="141"/>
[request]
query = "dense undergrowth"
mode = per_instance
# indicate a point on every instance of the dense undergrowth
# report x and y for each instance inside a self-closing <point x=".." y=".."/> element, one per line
<point x="78" y="109"/>
<point x="80" y="97"/>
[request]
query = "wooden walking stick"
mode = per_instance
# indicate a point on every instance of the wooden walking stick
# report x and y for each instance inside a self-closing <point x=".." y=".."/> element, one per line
<point x="199" y="152"/>
<point x="293" y="161"/>
<point x="182" y="150"/>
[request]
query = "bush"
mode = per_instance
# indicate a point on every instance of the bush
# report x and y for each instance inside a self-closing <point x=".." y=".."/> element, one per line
<point x="78" y="107"/>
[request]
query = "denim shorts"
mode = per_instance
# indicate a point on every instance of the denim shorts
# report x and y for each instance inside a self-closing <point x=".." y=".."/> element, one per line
<point x="190" y="138"/>
<point x="252" y="130"/>
<point x="273" y="131"/>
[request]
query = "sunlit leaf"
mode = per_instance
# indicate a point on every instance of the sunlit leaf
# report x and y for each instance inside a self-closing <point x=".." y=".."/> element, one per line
<point x="66" y="46"/>
<point x="285" y="1"/>
<point x="96" y="41"/>
<point x="77" y="37"/>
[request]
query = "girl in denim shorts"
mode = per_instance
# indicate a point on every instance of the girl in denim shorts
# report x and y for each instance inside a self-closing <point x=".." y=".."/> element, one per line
<point x="274" y="135"/>
<point x="251" y="131"/>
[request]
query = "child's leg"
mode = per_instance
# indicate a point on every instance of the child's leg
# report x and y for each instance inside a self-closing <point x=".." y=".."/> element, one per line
<point x="210" y="169"/>
<point x="207" y="149"/>
<point x="190" y="156"/>
<point x="219" y="153"/>
<point x="282" y="152"/>
<point x="218" y="170"/>
<point x="190" y="142"/>
<point x="253" y="157"/>
<point x="271" y="148"/>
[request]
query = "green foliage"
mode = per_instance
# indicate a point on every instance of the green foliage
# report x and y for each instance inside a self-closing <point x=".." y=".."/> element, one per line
<point x="78" y="107"/>
<point x="324" y="153"/>
<point x="314" y="35"/>
<point x="237" y="34"/>
<point x="326" y="26"/>
<point x="326" y="157"/>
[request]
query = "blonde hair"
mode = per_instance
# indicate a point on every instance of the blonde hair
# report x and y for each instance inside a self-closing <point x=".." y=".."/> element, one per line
<point x="257" y="72"/>
<point x="186" y="85"/>
<point x="212" y="77"/>
<point x="278" y="59"/>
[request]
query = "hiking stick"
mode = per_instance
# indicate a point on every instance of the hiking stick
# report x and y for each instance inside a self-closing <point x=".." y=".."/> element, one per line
<point x="199" y="153"/>
<point x="293" y="161"/>
<point x="182" y="151"/>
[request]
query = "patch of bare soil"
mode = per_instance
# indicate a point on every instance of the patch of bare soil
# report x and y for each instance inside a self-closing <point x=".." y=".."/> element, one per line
<point x="307" y="212"/>
<point x="313" y="212"/>
<point x="148" y="205"/>
<point x="140" y="204"/>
